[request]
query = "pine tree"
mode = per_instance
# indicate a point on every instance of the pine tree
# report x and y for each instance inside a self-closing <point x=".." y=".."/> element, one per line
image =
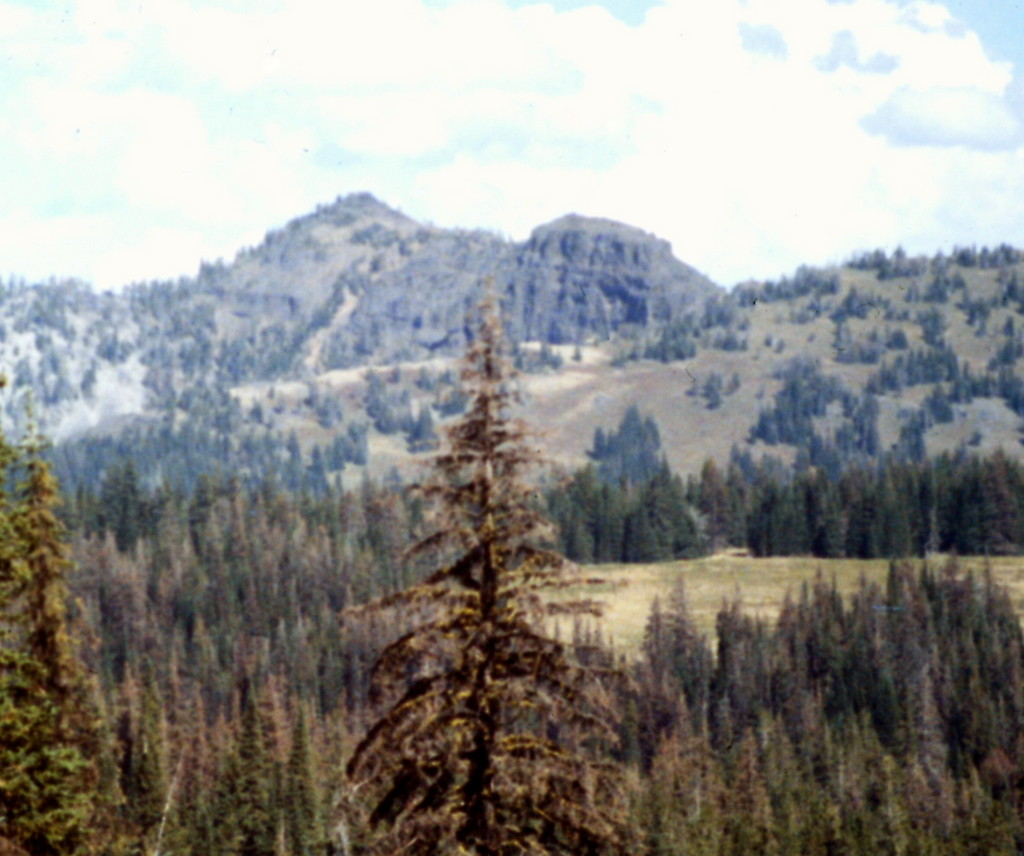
<point x="143" y="768"/>
<point x="257" y="826"/>
<point x="489" y="728"/>
<point x="303" y="826"/>
<point x="50" y="741"/>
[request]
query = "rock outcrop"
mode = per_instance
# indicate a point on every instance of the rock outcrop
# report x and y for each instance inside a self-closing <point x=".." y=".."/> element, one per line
<point x="580" y="277"/>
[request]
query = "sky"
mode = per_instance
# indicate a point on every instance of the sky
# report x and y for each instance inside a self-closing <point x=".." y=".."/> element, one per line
<point x="139" y="137"/>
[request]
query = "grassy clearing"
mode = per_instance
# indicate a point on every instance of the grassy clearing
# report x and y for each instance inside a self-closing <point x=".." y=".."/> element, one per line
<point x="760" y="584"/>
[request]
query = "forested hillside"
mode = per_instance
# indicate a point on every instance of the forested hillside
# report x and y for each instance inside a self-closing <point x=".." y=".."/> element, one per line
<point x="234" y="693"/>
<point x="325" y="353"/>
<point x="235" y="453"/>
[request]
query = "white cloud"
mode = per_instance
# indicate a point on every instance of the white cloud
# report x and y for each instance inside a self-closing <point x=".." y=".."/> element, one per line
<point x="947" y="117"/>
<point x="845" y="52"/>
<point x="763" y="39"/>
<point x="754" y="135"/>
<point x="154" y="253"/>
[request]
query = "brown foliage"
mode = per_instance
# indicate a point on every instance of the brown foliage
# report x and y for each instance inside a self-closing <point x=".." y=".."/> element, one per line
<point x="490" y="736"/>
<point x="9" y="848"/>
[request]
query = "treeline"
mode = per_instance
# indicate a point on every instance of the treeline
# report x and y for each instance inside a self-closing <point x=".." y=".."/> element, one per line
<point x="627" y="506"/>
<point x="891" y="723"/>
<point x="960" y="503"/>
<point x="603" y="521"/>
<point x="968" y="504"/>
<point x="222" y="445"/>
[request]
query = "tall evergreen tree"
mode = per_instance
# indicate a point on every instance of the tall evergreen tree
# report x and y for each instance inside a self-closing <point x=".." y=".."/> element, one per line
<point x="49" y="728"/>
<point x="714" y="504"/>
<point x="486" y="741"/>
<point x="143" y="766"/>
<point x="257" y="821"/>
<point x="748" y="826"/>
<point x="303" y="825"/>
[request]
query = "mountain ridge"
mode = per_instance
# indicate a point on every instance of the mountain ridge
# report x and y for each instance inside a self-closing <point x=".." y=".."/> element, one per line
<point x="352" y="283"/>
<point x="335" y="337"/>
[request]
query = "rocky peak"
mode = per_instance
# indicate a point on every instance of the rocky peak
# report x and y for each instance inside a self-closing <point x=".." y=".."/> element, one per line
<point x="346" y="210"/>
<point x="579" y="277"/>
<point x="594" y="241"/>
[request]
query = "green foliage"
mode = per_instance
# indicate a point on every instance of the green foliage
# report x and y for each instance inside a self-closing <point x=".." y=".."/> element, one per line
<point x="916" y="366"/>
<point x="303" y="821"/>
<point x="712" y="390"/>
<point x="421" y="436"/>
<point x="674" y="342"/>
<point x="971" y="505"/>
<point x="255" y="819"/>
<point x="805" y="394"/>
<point x="806" y="281"/>
<point x="893" y="266"/>
<point x="933" y="326"/>
<point x="601" y="521"/>
<point x="661" y="526"/>
<point x="888" y="721"/>
<point x="629" y="454"/>
<point x="143" y="762"/>
<point x="49" y="736"/>
<point x="798" y="741"/>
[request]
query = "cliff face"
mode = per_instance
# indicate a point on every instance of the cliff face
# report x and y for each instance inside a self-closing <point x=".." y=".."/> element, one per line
<point x="579" y="277"/>
<point x="573" y="279"/>
<point x="402" y="291"/>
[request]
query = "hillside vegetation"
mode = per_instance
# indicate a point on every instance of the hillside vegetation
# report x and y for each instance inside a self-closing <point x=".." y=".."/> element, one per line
<point x="877" y="708"/>
<point x="325" y="352"/>
<point x="235" y="451"/>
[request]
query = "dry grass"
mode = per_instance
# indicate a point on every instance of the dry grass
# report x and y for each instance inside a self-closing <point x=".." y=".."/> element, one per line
<point x="760" y="584"/>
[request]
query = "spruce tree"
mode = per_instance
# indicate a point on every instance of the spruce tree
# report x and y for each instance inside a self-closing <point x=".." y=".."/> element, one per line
<point x="748" y="827"/>
<point x="714" y="504"/>
<point x="143" y="774"/>
<point x="49" y="728"/>
<point x="491" y="735"/>
<point x="256" y="818"/>
<point x="303" y="827"/>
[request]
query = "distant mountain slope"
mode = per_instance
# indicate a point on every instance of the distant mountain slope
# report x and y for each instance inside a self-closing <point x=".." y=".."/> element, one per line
<point x="329" y="347"/>
<point x="357" y="282"/>
<point x="354" y="283"/>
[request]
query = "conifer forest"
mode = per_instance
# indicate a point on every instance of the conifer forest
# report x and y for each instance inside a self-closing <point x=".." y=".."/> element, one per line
<point x="238" y="666"/>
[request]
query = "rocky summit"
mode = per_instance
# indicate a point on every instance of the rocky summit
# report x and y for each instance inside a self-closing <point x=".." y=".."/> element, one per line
<point x="354" y="283"/>
<point x="581" y="277"/>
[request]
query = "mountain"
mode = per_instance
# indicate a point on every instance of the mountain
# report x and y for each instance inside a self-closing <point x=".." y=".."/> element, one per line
<point x="328" y="349"/>
<point x="358" y="283"/>
<point x="353" y="284"/>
